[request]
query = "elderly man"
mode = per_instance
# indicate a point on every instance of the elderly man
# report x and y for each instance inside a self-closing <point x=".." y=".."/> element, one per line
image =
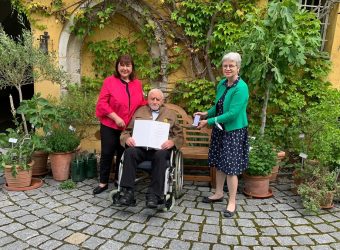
<point x="155" y="110"/>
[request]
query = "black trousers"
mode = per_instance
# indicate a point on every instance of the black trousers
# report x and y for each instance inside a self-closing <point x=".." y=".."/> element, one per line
<point x="135" y="155"/>
<point x="110" y="145"/>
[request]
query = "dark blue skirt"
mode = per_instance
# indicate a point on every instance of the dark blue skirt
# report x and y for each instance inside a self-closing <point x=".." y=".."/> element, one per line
<point x="229" y="151"/>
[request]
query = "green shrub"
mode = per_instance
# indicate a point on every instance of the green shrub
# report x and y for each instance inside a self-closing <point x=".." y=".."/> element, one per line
<point x="262" y="157"/>
<point x="62" y="140"/>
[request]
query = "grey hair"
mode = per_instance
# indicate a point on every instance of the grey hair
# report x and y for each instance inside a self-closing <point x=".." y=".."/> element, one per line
<point x="158" y="91"/>
<point x="233" y="56"/>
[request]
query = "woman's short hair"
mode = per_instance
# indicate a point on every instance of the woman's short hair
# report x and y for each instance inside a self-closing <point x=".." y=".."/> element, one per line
<point x="125" y="60"/>
<point x="233" y="56"/>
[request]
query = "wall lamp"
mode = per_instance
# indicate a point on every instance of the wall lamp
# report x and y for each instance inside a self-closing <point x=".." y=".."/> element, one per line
<point x="43" y="42"/>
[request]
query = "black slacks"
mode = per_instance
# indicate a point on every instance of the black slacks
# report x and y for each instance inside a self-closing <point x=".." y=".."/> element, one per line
<point x="110" y="145"/>
<point x="135" y="155"/>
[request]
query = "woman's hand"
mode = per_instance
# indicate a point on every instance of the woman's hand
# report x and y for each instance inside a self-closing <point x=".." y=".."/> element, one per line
<point x="202" y="114"/>
<point x="119" y="121"/>
<point x="202" y="124"/>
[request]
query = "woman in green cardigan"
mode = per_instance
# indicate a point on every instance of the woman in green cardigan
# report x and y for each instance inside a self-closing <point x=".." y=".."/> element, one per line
<point x="229" y="147"/>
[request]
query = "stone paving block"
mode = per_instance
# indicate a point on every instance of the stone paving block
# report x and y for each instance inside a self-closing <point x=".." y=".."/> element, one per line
<point x="200" y="246"/>
<point x="41" y="212"/>
<point x="298" y="221"/>
<point x="182" y="217"/>
<point x="328" y="217"/>
<point x="267" y="241"/>
<point x="189" y="235"/>
<point x="33" y="207"/>
<point x="25" y="234"/>
<point x="250" y="208"/>
<point x="283" y="207"/>
<point x="107" y="212"/>
<point x="50" y="244"/>
<point x="245" y="223"/>
<point x="197" y="219"/>
<point x="168" y="215"/>
<point x="38" y="224"/>
<point x="301" y="248"/>
<point x="153" y="230"/>
<point x="155" y="221"/>
<point x="18" y="244"/>
<point x="65" y="222"/>
<point x="92" y="242"/>
<point x="68" y="247"/>
<point x="140" y="218"/>
<point x="211" y="238"/>
<point x="74" y="214"/>
<point x="220" y="247"/>
<point x="49" y="229"/>
<point x="139" y="239"/>
<point x="77" y="238"/>
<point x="322" y="238"/>
<point x="5" y="203"/>
<point x="268" y="231"/>
<point x="291" y="214"/>
<point x="248" y="241"/>
<point x="102" y="221"/>
<point x="135" y="227"/>
<point x="308" y="229"/>
<point x="179" y="244"/>
<point x="267" y="208"/>
<point x="69" y="201"/>
<point x="321" y="247"/>
<point x="11" y="228"/>
<point x="325" y="228"/>
<point x="121" y="215"/>
<point x="285" y="241"/>
<point x="27" y="218"/>
<point x="245" y="215"/>
<point x="173" y="224"/>
<point x="54" y="217"/>
<point x="157" y="242"/>
<point x="336" y="235"/>
<point x="276" y="215"/>
<point x="213" y="229"/>
<point x="93" y="229"/>
<point x="107" y="233"/>
<point x="88" y="218"/>
<point x="63" y="209"/>
<point x="242" y="248"/>
<point x="231" y="230"/>
<point x="190" y="226"/>
<point x="261" y="215"/>
<point x="303" y="240"/>
<point x="188" y="204"/>
<point x="335" y="245"/>
<point x="229" y="240"/>
<point x="249" y="231"/>
<point x="170" y="233"/>
<point x="263" y="222"/>
<point x="5" y="221"/>
<point x="36" y="241"/>
<point x="118" y="224"/>
<point x="194" y="211"/>
<point x="78" y="226"/>
<point x="17" y="213"/>
<point x="5" y="240"/>
<point x="212" y="220"/>
<point x="261" y="248"/>
<point x="228" y="222"/>
<point x="133" y="247"/>
<point x="112" y="245"/>
<point x="281" y="222"/>
<point x="61" y="234"/>
<point x="2" y="234"/>
<point x="122" y="236"/>
<point x="286" y="231"/>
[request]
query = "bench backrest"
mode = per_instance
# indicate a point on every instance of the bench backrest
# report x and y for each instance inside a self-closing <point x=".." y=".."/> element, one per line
<point x="192" y="136"/>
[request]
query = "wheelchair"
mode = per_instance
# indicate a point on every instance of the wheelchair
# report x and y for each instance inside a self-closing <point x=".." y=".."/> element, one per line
<point x="173" y="185"/>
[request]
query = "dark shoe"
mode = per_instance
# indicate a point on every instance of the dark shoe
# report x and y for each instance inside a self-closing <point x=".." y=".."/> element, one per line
<point x="127" y="198"/>
<point x="229" y="214"/>
<point x="100" y="189"/>
<point x="208" y="200"/>
<point x="151" y="201"/>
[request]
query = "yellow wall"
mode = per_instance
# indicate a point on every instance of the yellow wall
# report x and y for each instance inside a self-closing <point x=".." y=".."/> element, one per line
<point x="333" y="46"/>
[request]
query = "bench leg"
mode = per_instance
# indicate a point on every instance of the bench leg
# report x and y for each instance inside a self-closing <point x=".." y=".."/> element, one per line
<point x="213" y="177"/>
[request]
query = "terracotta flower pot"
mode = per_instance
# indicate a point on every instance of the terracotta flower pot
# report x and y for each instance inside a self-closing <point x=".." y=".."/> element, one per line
<point x="327" y="203"/>
<point x="40" y="163"/>
<point x="257" y="186"/>
<point x="60" y="165"/>
<point x="22" y="179"/>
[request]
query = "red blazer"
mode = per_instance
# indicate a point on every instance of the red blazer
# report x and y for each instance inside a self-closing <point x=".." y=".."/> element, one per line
<point x="114" y="97"/>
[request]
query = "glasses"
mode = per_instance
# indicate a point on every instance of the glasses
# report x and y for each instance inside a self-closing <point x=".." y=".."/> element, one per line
<point x="230" y="66"/>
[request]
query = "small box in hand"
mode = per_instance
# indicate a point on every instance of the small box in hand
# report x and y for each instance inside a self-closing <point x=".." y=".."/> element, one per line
<point x="196" y="120"/>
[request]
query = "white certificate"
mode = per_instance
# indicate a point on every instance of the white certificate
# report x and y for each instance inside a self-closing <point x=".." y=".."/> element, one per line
<point x="152" y="134"/>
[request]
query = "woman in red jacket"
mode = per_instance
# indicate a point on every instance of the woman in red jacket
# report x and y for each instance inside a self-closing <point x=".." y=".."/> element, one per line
<point x="120" y="95"/>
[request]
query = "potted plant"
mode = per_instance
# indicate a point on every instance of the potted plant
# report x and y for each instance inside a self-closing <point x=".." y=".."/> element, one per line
<point x="61" y="143"/>
<point x="262" y="158"/>
<point x="42" y="115"/>
<point x="15" y="158"/>
<point x="318" y="188"/>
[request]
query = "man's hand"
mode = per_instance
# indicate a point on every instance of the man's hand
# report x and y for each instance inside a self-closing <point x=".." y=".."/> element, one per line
<point x="202" y="124"/>
<point x="168" y="144"/>
<point x="130" y="142"/>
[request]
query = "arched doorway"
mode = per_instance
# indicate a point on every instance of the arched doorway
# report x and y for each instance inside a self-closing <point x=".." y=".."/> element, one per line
<point x="13" y="24"/>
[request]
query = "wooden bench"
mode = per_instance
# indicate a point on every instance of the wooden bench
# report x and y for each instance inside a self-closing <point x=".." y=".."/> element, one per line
<point x="195" y="147"/>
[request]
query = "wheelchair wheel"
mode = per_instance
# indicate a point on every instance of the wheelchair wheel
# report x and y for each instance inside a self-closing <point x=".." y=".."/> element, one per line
<point x="178" y="176"/>
<point x="169" y="203"/>
<point x="114" y="196"/>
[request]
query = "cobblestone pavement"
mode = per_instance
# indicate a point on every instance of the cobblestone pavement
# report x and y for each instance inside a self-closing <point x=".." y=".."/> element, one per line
<point x="50" y="218"/>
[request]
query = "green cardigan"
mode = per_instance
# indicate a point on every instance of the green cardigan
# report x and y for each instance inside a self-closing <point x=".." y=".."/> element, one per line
<point x="234" y="106"/>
